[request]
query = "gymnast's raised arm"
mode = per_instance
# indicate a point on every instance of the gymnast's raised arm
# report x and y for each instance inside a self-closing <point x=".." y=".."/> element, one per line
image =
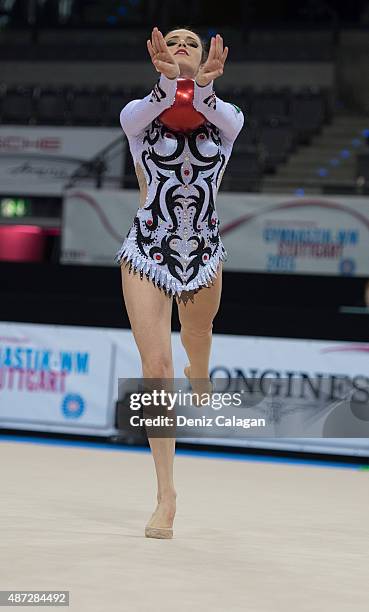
<point x="226" y="116"/>
<point x="138" y="114"/>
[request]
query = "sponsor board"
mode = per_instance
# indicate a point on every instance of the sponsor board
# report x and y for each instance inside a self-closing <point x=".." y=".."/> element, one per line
<point x="261" y="233"/>
<point x="40" y="160"/>
<point x="65" y="379"/>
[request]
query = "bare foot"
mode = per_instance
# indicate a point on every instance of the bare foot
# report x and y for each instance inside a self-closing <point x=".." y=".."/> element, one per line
<point x="199" y="385"/>
<point x="164" y="514"/>
<point x="157" y="506"/>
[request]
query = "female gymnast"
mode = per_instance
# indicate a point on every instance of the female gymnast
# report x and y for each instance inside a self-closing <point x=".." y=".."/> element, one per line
<point x="174" y="240"/>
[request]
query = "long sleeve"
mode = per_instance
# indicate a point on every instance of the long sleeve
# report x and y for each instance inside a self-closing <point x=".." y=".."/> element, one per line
<point x="226" y="116"/>
<point x="138" y="114"/>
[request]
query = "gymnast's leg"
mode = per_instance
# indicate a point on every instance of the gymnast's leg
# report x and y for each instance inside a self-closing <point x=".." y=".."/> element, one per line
<point x="196" y="320"/>
<point x="149" y="311"/>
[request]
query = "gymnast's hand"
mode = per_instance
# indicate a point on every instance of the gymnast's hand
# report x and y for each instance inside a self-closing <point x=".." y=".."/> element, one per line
<point x="161" y="57"/>
<point x="214" y="65"/>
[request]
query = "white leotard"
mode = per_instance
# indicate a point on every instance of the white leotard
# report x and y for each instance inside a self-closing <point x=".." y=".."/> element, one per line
<point x="174" y="238"/>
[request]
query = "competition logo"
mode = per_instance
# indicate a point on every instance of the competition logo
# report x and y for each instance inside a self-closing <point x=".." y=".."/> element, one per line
<point x="347" y="266"/>
<point x="73" y="406"/>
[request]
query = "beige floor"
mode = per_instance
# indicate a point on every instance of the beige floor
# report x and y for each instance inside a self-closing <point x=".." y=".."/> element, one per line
<point x="257" y="537"/>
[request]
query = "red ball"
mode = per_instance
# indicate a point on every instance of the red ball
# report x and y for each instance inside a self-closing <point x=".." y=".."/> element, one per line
<point x="182" y="116"/>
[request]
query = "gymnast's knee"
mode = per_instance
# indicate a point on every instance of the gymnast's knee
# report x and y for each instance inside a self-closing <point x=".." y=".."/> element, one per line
<point x="197" y="329"/>
<point x="158" y="366"/>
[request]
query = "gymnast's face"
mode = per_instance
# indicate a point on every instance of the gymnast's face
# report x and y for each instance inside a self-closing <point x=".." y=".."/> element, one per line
<point x="186" y="48"/>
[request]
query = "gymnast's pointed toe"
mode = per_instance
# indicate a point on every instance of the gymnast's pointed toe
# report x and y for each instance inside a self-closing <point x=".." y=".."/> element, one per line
<point x="162" y="533"/>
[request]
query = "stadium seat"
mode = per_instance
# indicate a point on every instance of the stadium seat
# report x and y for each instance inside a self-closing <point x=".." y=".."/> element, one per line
<point x="87" y="106"/>
<point x="269" y="102"/>
<point x="276" y="119"/>
<point x="241" y="96"/>
<point x="18" y="105"/>
<point x="307" y="113"/>
<point x="116" y="100"/>
<point x="276" y="136"/>
<point x="249" y="135"/>
<point x="244" y="171"/>
<point x="51" y="105"/>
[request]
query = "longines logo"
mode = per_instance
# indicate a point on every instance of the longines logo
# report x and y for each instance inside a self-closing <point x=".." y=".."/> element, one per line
<point x="293" y="384"/>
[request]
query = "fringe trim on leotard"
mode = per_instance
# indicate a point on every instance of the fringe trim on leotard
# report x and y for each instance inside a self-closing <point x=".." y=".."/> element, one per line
<point x="163" y="279"/>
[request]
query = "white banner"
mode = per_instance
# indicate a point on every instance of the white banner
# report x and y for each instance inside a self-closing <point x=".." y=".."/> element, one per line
<point x="65" y="379"/>
<point x="243" y="356"/>
<point x="40" y="160"/>
<point x="107" y="215"/>
<point x="320" y="377"/>
<point x="55" y="378"/>
<point x="262" y="233"/>
<point x="299" y="235"/>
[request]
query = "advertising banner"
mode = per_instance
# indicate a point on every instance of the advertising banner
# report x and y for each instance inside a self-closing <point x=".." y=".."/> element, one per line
<point x="322" y="374"/>
<point x="66" y="379"/>
<point x="40" y="160"/>
<point x="106" y="214"/>
<point x="294" y="234"/>
<point x="55" y="378"/>
<point x="261" y="233"/>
